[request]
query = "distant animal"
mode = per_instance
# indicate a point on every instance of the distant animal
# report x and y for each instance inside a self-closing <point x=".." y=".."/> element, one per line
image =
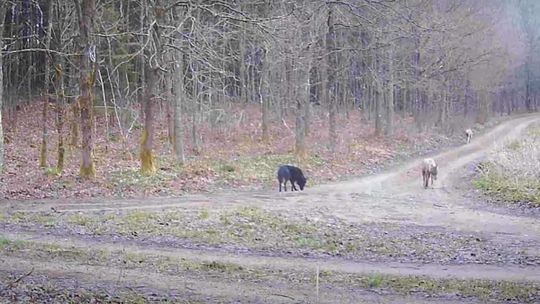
<point x="429" y="171"/>
<point x="293" y="174"/>
<point x="468" y="134"/>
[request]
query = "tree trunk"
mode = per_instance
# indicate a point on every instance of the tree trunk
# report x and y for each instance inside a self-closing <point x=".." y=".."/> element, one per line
<point x="73" y="126"/>
<point x="265" y="103"/>
<point x="142" y="63"/>
<point x="45" y="92"/>
<point x="300" y="145"/>
<point x="443" y="108"/>
<point x="179" y="98"/>
<point x="390" y="96"/>
<point x="169" y="101"/>
<point x="307" y="114"/>
<point x="87" y="79"/>
<point x="196" y="105"/>
<point x="148" y="166"/>
<point x="2" y="15"/>
<point x="60" y="117"/>
<point x="378" y="107"/>
<point x="379" y="95"/>
<point x="484" y="105"/>
<point x="300" y="139"/>
<point x="242" y="77"/>
<point x="332" y="64"/>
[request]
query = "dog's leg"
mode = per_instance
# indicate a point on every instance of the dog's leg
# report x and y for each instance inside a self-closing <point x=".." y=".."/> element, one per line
<point x="293" y="188"/>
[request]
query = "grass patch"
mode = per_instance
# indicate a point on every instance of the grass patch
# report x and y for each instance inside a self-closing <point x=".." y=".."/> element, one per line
<point x="261" y="169"/>
<point x="48" y="251"/>
<point x="512" y="173"/>
<point x="220" y="266"/>
<point x="203" y="215"/>
<point x="514" y="145"/>
<point x="510" y="189"/>
<point x="480" y="289"/>
<point x="29" y="218"/>
<point x="136" y="222"/>
<point x="4" y="241"/>
<point x="51" y="171"/>
<point x="80" y="220"/>
<point x="130" y="179"/>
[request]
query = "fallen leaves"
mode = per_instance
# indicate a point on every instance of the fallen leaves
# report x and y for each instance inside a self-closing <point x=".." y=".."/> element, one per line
<point x="232" y="156"/>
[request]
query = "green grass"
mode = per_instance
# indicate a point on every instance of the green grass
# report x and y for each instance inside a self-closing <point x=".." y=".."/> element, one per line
<point x="28" y="218"/>
<point x="80" y="220"/>
<point x="203" y="215"/>
<point x="127" y="179"/>
<point x="261" y="168"/>
<point x="4" y="241"/>
<point x="483" y="290"/>
<point x="509" y="189"/>
<point x="514" y="145"/>
<point x="511" y="173"/>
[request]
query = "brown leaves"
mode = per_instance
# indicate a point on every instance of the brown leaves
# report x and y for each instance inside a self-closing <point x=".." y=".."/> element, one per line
<point x="234" y="145"/>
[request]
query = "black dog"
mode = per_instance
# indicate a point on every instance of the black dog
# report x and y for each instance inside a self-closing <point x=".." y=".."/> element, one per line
<point x="293" y="174"/>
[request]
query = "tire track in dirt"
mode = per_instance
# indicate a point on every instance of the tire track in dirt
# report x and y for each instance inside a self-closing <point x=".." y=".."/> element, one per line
<point x="200" y="290"/>
<point x="463" y="272"/>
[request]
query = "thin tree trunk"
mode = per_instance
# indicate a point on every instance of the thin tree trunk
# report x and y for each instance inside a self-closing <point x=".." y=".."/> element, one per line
<point x="148" y="165"/>
<point x="307" y="114"/>
<point x="443" y="108"/>
<point x="169" y="101"/>
<point x="528" y="103"/>
<point x="45" y="94"/>
<point x="390" y="96"/>
<point x="332" y="85"/>
<point x="379" y="90"/>
<point x="195" y="106"/>
<point x="142" y="63"/>
<point x="60" y="117"/>
<point x="87" y="80"/>
<point x="2" y="15"/>
<point x="242" y="76"/>
<point x="300" y="146"/>
<point x="179" y="98"/>
<point x="369" y="102"/>
<point x="265" y="102"/>
<point x="106" y="108"/>
<point x="73" y="126"/>
<point x="378" y="108"/>
<point x="300" y="143"/>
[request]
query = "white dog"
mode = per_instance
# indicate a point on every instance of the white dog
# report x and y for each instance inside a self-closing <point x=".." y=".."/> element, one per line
<point x="469" y="134"/>
<point x="429" y="171"/>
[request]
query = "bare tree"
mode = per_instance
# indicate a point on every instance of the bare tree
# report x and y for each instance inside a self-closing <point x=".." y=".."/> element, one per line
<point x="45" y="91"/>
<point x="87" y="59"/>
<point x="2" y="28"/>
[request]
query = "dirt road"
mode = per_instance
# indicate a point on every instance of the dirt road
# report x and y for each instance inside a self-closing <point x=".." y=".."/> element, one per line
<point x="377" y="239"/>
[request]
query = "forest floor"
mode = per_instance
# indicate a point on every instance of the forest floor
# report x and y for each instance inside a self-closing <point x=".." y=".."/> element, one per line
<point x="381" y="238"/>
<point x="231" y="154"/>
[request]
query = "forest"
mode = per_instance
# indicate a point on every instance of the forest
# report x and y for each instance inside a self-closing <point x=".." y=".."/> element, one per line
<point x="130" y="95"/>
<point x="141" y="143"/>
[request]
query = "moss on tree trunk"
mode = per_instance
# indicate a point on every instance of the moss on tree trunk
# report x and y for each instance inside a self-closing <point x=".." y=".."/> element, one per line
<point x="148" y="165"/>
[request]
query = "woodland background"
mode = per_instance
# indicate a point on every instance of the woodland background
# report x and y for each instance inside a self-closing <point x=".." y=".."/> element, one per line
<point x="130" y="98"/>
